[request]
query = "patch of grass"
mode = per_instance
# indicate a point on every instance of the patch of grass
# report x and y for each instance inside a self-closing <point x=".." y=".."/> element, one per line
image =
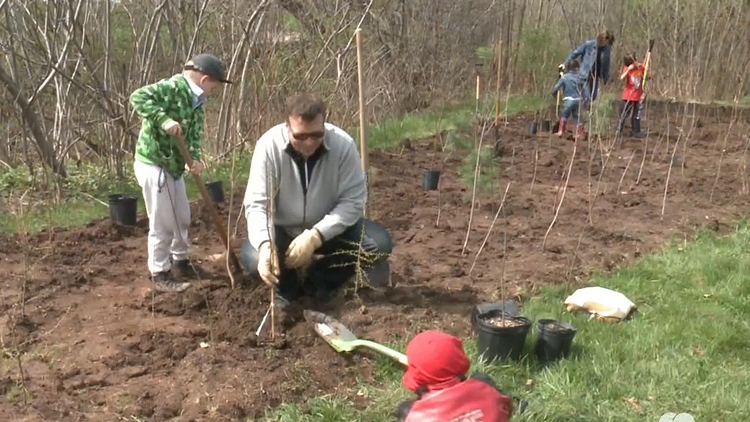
<point x="685" y="350"/>
<point x="390" y="132"/>
<point x="78" y="207"/>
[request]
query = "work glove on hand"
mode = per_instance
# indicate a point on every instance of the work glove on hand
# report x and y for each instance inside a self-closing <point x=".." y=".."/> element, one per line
<point x="561" y="68"/>
<point x="197" y="167"/>
<point x="301" y="249"/>
<point x="268" y="268"/>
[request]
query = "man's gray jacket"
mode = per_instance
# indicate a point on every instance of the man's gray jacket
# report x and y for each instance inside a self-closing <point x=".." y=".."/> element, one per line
<point x="336" y="193"/>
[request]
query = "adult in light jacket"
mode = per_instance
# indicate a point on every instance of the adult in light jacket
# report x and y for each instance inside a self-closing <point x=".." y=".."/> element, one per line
<point x="307" y="193"/>
<point x="594" y="56"/>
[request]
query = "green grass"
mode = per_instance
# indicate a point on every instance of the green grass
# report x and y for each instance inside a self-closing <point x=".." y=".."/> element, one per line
<point x="686" y="350"/>
<point x="390" y="132"/>
<point x="78" y="207"/>
<point x="90" y="180"/>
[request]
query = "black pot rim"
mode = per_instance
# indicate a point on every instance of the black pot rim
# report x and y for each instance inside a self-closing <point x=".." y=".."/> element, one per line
<point x="526" y="323"/>
<point x="122" y="196"/>
<point x="559" y="326"/>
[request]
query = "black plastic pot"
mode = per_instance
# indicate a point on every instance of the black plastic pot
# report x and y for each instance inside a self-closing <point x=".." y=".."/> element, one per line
<point x="510" y="307"/>
<point x="553" y="340"/>
<point x="123" y="209"/>
<point x="546" y="125"/>
<point x="533" y="128"/>
<point x="216" y="191"/>
<point x="430" y="179"/>
<point x="501" y="342"/>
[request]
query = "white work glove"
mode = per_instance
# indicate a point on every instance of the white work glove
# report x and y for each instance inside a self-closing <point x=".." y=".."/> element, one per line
<point x="301" y="249"/>
<point x="197" y="167"/>
<point x="267" y="266"/>
<point x="561" y="67"/>
<point x="173" y="128"/>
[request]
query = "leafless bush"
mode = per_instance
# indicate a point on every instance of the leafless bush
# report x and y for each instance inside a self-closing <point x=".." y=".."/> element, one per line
<point x="70" y="65"/>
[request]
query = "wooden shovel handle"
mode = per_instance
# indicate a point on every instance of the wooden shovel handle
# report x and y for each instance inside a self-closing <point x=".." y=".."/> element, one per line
<point x="218" y="222"/>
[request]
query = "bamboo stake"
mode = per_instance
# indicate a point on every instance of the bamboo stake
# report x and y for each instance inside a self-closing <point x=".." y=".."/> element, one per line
<point x="362" y="116"/>
<point x="499" y="64"/>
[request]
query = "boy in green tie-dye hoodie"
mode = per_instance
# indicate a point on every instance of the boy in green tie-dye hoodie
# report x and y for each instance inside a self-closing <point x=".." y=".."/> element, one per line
<point x="169" y="108"/>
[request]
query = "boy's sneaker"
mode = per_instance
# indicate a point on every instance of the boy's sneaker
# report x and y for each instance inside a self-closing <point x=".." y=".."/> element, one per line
<point x="187" y="269"/>
<point x="164" y="282"/>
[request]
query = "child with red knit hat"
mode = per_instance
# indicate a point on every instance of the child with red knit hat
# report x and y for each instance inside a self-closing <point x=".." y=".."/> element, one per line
<point x="437" y="374"/>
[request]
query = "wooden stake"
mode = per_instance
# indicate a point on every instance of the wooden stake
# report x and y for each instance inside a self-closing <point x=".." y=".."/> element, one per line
<point x="362" y="114"/>
<point x="499" y="72"/>
<point x="476" y="106"/>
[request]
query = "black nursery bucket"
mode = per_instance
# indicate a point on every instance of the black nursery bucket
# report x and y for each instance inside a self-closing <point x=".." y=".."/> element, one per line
<point x="546" y="125"/>
<point x="216" y="191"/>
<point x="123" y="209"/>
<point x="554" y="340"/>
<point x="533" y="128"/>
<point x="430" y="179"/>
<point x="501" y="342"/>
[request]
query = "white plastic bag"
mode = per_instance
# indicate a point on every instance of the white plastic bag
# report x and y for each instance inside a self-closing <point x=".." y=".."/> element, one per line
<point x="602" y="303"/>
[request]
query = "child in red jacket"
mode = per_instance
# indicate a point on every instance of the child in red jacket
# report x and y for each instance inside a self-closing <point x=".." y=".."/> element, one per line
<point x="437" y="374"/>
<point x="633" y="73"/>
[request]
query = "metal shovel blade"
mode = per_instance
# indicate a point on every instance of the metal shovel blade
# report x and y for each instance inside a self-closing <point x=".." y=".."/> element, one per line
<point x="342" y="339"/>
<point x="331" y="330"/>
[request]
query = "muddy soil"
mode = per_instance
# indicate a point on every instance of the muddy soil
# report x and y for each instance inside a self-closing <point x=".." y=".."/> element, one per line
<point x="97" y="344"/>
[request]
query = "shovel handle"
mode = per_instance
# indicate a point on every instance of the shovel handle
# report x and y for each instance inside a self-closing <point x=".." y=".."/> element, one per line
<point x="209" y="204"/>
<point x="400" y="357"/>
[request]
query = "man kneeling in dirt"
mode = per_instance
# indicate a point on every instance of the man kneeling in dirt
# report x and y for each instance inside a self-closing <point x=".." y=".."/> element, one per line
<point x="307" y="193"/>
<point x="437" y="374"/>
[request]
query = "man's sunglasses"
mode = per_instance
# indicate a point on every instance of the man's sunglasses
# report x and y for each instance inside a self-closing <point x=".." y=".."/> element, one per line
<point x="306" y="136"/>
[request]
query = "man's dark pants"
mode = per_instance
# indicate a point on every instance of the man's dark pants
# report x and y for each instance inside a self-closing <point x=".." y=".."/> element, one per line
<point x="337" y="265"/>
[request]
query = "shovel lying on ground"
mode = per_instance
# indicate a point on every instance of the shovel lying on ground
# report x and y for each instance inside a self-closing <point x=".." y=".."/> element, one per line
<point x="342" y="340"/>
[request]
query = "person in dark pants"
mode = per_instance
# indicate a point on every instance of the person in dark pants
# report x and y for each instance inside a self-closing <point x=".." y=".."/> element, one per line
<point x="595" y="59"/>
<point x="307" y="193"/>
<point x="634" y="74"/>
<point x="436" y="372"/>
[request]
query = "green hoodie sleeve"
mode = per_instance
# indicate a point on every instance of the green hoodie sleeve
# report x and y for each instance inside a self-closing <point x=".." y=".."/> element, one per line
<point x="149" y="101"/>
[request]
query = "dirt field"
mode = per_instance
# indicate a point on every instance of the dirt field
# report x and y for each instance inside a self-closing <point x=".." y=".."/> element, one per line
<point x="96" y="343"/>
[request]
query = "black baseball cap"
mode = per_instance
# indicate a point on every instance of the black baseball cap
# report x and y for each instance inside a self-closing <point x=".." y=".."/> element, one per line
<point x="210" y="65"/>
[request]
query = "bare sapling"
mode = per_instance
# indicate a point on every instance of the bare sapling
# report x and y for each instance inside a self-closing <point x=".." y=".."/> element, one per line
<point x="562" y="197"/>
<point x="536" y="161"/>
<point x="742" y="167"/>
<point x="669" y="173"/>
<point x="474" y="188"/>
<point x="497" y="84"/>
<point x="19" y="318"/>
<point x="624" y="172"/>
<point x="271" y="192"/>
<point x="231" y="237"/>
<point x="728" y="131"/>
<point x="489" y="231"/>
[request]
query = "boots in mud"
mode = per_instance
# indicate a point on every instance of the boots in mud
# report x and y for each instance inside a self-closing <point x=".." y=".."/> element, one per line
<point x="580" y="131"/>
<point x="561" y="131"/>
<point x="637" y="128"/>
